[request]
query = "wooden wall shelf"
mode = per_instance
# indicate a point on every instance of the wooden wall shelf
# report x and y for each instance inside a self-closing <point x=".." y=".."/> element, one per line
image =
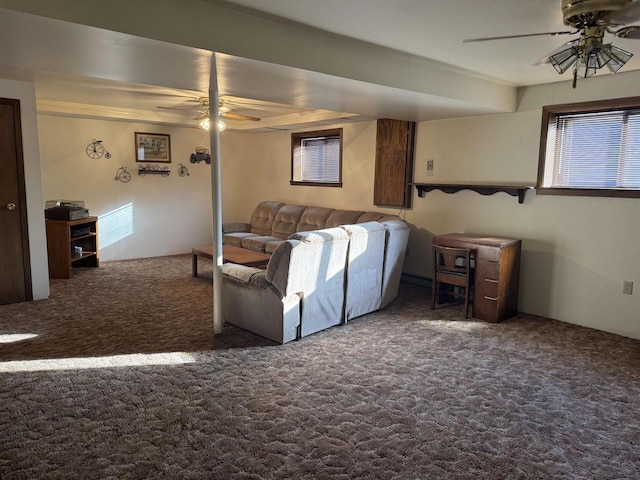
<point x="153" y="169"/>
<point x="483" y="189"/>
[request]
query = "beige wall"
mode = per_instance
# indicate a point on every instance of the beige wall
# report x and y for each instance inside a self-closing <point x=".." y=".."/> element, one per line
<point x="25" y="92"/>
<point x="577" y="251"/>
<point x="260" y="169"/>
<point x="149" y="216"/>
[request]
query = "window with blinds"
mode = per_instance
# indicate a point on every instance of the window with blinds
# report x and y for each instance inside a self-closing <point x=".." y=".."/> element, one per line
<point x="316" y="158"/>
<point x="592" y="149"/>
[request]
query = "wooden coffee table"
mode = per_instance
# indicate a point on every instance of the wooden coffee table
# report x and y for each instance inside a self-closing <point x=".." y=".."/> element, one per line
<point x="230" y="254"/>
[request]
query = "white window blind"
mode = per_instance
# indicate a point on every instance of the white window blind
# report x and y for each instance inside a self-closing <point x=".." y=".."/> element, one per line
<point x="597" y="150"/>
<point x="320" y="159"/>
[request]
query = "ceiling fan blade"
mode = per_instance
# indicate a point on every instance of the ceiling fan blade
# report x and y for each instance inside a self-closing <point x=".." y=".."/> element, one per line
<point x="550" y="34"/>
<point x="545" y="60"/>
<point x="179" y="108"/>
<point x="237" y="116"/>
<point x="632" y="31"/>
<point x="629" y="14"/>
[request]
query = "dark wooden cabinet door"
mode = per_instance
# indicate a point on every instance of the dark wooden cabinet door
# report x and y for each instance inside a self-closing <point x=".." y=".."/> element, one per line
<point x="394" y="163"/>
<point x="15" y="267"/>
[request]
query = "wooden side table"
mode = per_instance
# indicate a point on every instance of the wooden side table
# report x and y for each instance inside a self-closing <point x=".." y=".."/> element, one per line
<point x="497" y="273"/>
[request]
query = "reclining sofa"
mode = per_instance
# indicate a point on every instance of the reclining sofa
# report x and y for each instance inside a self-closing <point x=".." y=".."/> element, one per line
<point x="327" y="267"/>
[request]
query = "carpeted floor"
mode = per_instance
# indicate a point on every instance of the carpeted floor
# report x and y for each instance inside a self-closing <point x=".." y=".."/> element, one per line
<point x="119" y="376"/>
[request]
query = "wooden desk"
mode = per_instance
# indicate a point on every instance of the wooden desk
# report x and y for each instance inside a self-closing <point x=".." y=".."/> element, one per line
<point x="230" y="254"/>
<point x="497" y="273"/>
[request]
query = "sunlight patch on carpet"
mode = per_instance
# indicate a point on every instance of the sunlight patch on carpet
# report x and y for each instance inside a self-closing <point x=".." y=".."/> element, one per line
<point x="16" y="337"/>
<point x="134" y="360"/>
<point x="455" y="325"/>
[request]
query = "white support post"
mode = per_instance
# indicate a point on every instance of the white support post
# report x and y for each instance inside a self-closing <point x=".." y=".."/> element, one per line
<point x="216" y="199"/>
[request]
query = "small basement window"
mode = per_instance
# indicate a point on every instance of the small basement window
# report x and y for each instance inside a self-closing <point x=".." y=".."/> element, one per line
<point x="591" y="149"/>
<point x="316" y="158"/>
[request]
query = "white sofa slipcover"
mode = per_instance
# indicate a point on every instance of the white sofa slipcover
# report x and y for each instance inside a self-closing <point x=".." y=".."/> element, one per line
<point x="301" y="291"/>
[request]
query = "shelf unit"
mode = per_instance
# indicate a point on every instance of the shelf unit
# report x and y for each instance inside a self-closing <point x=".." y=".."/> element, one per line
<point x="62" y="238"/>
<point x="483" y="189"/>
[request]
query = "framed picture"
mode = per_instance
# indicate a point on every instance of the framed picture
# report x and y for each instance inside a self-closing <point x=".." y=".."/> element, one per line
<point x="153" y="147"/>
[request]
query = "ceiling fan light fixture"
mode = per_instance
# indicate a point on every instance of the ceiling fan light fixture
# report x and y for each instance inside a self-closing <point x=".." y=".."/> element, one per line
<point x="564" y="59"/>
<point x="600" y="55"/>
<point x="618" y="58"/>
<point x="205" y="124"/>
<point x="586" y="67"/>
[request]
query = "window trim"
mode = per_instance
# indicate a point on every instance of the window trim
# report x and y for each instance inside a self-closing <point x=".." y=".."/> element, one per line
<point x="296" y="139"/>
<point x="549" y="114"/>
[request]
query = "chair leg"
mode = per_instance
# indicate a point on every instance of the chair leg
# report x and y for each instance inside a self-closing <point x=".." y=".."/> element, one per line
<point x="434" y="287"/>
<point x="466" y="302"/>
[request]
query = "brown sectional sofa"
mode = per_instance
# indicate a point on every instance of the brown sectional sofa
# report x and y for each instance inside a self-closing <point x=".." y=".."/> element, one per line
<point x="273" y="222"/>
<point x="327" y="267"/>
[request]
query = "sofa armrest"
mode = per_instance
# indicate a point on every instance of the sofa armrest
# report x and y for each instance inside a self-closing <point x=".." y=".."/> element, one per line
<point x="250" y="276"/>
<point x="235" y="227"/>
<point x="250" y="302"/>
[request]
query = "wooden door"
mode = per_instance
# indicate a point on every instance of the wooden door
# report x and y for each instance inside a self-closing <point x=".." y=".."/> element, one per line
<point x="15" y="266"/>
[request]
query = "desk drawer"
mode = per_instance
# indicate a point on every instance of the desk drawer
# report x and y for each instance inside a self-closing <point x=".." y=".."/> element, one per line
<point x="487" y="269"/>
<point x="485" y="307"/>
<point x="491" y="254"/>
<point x="487" y="287"/>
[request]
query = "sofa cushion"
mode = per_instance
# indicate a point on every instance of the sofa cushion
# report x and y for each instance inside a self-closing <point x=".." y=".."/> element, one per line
<point x="286" y="221"/>
<point x="342" y="217"/>
<point x="236" y="239"/>
<point x="257" y="243"/>
<point x="272" y="245"/>
<point x="282" y="254"/>
<point x="314" y="218"/>
<point x="263" y="216"/>
<point x="364" y="268"/>
<point x="312" y="266"/>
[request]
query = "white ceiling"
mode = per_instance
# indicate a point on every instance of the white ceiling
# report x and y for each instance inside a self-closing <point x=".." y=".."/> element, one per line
<point x="435" y="29"/>
<point x="81" y="70"/>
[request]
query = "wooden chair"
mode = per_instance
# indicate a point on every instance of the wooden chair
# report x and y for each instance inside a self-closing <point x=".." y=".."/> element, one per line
<point x="452" y="266"/>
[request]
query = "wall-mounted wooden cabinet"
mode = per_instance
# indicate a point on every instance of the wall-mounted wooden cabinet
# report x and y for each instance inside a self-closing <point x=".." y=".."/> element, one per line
<point x="394" y="163"/>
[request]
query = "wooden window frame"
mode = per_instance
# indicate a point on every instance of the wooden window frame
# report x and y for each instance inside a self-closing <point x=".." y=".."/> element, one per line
<point x="549" y="115"/>
<point x="296" y="140"/>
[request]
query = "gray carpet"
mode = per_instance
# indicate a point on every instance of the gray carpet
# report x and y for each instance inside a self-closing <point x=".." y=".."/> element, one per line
<point x="122" y="378"/>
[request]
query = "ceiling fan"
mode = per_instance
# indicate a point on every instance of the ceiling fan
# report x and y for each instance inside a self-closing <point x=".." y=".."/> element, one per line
<point x="204" y="115"/>
<point x="591" y="19"/>
<point x="204" y="118"/>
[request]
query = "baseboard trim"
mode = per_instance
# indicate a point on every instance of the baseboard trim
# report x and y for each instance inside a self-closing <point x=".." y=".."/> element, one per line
<point x="416" y="280"/>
